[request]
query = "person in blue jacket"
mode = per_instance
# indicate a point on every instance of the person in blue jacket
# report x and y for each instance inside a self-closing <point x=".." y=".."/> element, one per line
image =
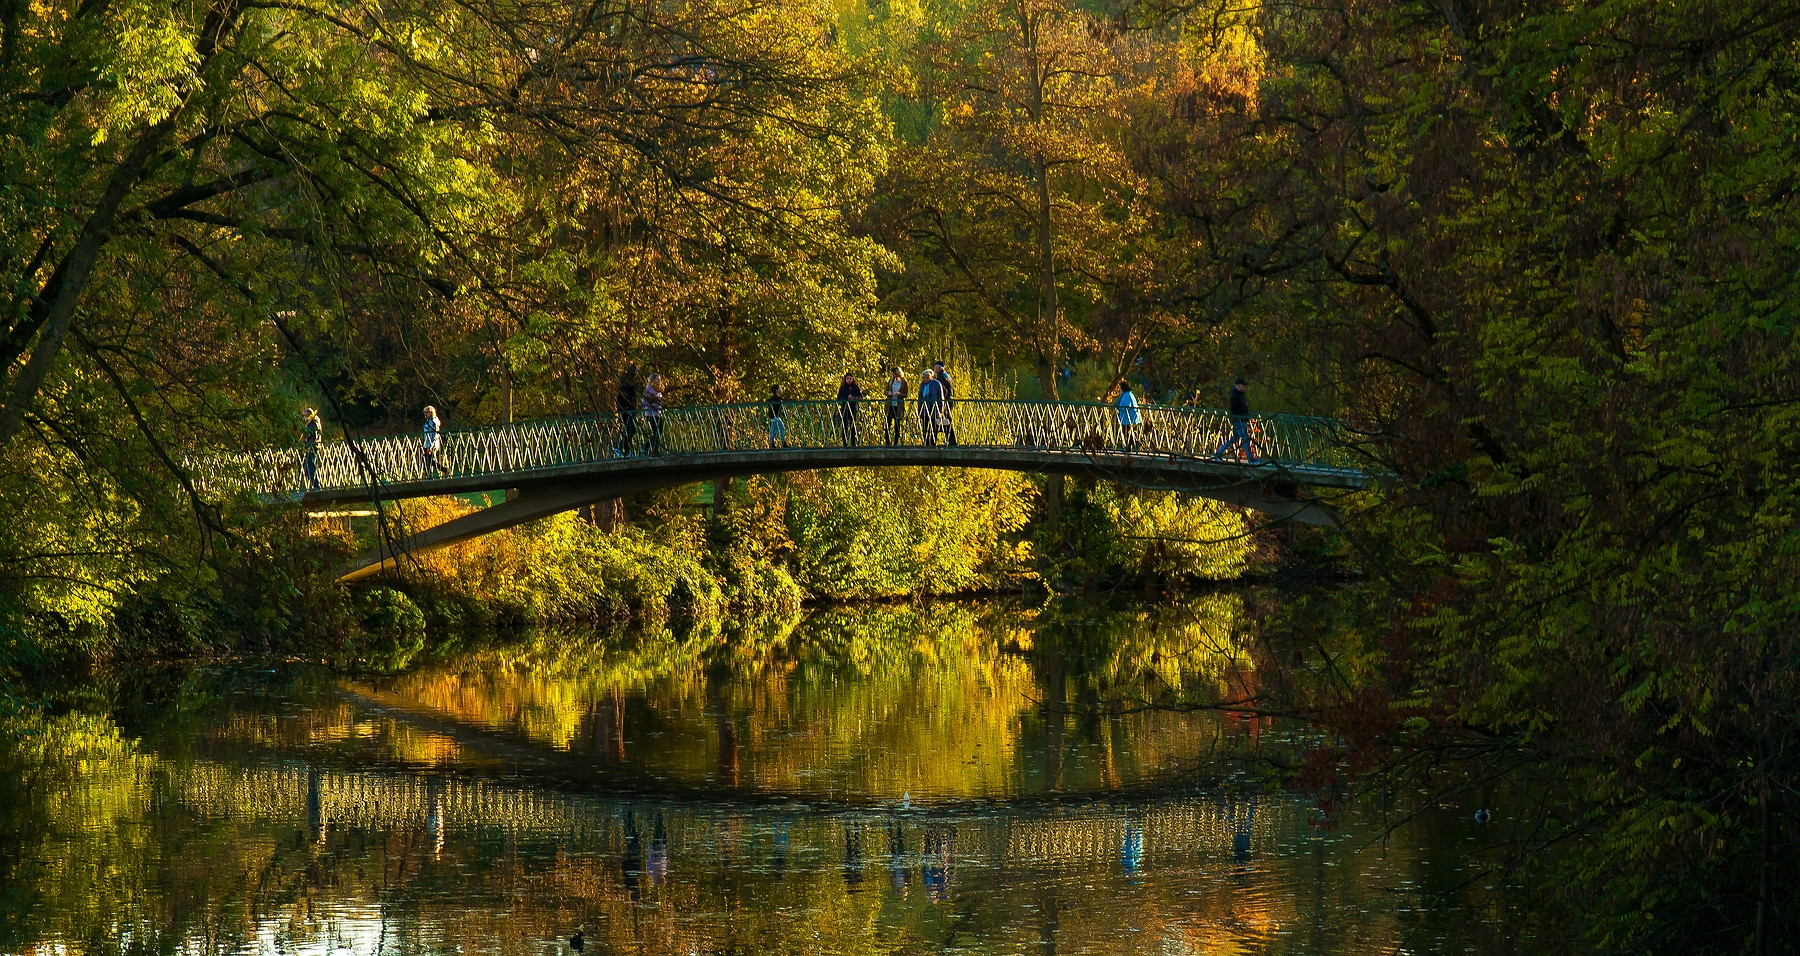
<point x="932" y="410"/>
<point x="1129" y="416"/>
<point x="946" y="421"/>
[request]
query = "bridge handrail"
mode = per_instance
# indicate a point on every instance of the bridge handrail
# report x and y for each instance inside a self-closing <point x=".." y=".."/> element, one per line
<point x="1074" y="427"/>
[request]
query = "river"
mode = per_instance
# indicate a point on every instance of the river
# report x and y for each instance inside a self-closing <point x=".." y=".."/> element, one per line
<point x="956" y="778"/>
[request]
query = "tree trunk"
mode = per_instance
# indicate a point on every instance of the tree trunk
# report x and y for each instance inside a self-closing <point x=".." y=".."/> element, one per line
<point x="506" y="410"/>
<point x="1048" y="304"/>
<point x="55" y="309"/>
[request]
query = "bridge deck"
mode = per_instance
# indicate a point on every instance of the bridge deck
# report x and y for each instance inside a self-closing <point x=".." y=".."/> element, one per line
<point x="556" y="464"/>
<point x="990" y="433"/>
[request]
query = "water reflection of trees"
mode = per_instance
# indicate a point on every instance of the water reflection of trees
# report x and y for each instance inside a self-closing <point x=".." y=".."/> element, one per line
<point x="945" y="700"/>
<point x="258" y="823"/>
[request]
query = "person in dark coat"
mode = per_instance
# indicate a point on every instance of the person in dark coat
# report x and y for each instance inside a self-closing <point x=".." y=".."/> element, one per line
<point x="948" y="385"/>
<point x="628" y="409"/>
<point x="777" y="418"/>
<point x="651" y="406"/>
<point x="1240" y="426"/>
<point x="312" y="437"/>
<point x="931" y="407"/>
<point x="896" y="404"/>
<point x="849" y="393"/>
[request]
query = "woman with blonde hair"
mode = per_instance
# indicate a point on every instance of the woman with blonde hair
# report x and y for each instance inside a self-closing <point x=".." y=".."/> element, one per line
<point x="432" y="440"/>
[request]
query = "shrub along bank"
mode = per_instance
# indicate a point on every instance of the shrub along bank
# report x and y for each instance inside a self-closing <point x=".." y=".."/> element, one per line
<point x="760" y="545"/>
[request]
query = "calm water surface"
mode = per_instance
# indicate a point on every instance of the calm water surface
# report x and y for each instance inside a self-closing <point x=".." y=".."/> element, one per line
<point x="886" y="781"/>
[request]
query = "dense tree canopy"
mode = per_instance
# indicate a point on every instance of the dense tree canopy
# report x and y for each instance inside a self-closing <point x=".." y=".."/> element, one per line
<point x="216" y="211"/>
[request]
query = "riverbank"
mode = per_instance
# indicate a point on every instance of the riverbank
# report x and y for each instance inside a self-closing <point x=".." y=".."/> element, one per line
<point x="762" y="546"/>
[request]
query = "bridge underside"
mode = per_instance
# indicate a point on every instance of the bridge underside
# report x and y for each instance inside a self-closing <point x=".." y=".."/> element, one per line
<point x="1281" y="492"/>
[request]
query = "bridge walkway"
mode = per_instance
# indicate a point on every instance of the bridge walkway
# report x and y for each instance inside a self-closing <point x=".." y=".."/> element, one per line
<point x="558" y="464"/>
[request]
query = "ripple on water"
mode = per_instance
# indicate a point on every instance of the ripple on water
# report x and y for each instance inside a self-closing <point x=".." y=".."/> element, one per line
<point x="929" y="804"/>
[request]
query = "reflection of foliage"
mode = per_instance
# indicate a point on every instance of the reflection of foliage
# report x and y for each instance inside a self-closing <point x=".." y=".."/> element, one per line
<point x="929" y="699"/>
<point x="393" y="630"/>
<point x="1189" y="651"/>
<point x="1119" y="534"/>
<point x="59" y="776"/>
<point x="114" y="849"/>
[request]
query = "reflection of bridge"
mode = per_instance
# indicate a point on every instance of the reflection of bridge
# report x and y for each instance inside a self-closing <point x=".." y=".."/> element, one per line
<point x="1064" y="835"/>
<point x="559" y="464"/>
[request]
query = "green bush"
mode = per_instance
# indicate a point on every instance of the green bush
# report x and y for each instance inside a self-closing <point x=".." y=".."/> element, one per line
<point x="882" y="532"/>
<point x="393" y="632"/>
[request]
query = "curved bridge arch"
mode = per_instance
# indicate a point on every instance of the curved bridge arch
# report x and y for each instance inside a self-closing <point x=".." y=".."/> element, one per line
<point x="560" y="464"/>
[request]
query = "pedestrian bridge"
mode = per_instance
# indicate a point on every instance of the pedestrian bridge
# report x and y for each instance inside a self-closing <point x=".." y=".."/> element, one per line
<point x="557" y="464"/>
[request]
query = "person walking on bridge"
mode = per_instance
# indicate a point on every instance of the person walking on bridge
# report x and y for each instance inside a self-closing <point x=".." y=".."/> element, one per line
<point x="945" y="382"/>
<point x="1240" y="426"/>
<point x="1129" y="416"/>
<point x="849" y="394"/>
<point x="931" y="407"/>
<point x="652" y="406"/>
<point x="628" y="408"/>
<point x="777" y="418"/>
<point x="896" y="404"/>
<point x="312" y="437"/>
<point x="432" y="439"/>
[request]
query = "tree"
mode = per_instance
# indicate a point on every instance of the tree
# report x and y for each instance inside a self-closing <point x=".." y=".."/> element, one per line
<point x="1018" y="212"/>
<point x="1549" y="253"/>
<point x="214" y="206"/>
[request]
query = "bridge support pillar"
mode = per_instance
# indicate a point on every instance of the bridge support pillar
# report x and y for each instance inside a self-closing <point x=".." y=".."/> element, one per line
<point x="523" y="505"/>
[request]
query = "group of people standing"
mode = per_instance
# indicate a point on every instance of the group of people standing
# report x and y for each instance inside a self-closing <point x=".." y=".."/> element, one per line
<point x="936" y="397"/>
<point x="640" y="410"/>
<point x="634" y="403"/>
